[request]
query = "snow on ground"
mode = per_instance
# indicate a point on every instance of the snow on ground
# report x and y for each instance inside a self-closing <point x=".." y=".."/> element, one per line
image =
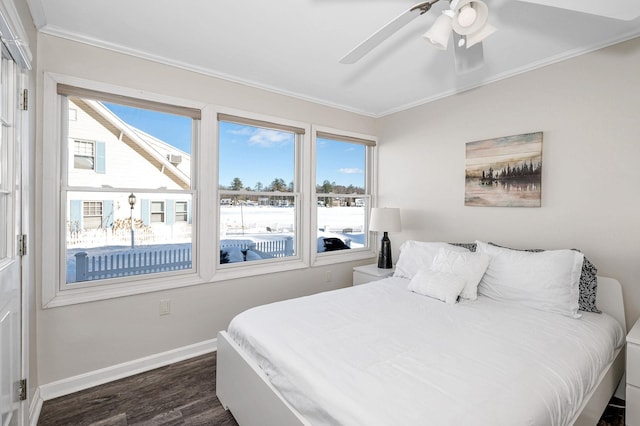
<point x="260" y="223"/>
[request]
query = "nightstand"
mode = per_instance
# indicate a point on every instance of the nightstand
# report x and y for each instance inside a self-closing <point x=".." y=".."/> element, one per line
<point x="368" y="273"/>
<point x="632" y="415"/>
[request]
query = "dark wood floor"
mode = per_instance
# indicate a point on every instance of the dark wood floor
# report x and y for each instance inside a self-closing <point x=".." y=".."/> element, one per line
<point x="179" y="394"/>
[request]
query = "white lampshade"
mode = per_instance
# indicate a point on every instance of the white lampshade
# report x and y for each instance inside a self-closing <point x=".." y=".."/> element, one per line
<point x="385" y="220"/>
<point x="466" y="26"/>
<point x="440" y="32"/>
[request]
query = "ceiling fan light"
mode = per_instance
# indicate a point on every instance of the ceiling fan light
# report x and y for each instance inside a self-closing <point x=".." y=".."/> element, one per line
<point x="439" y="33"/>
<point x="462" y="16"/>
<point x="480" y="35"/>
<point x="467" y="16"/>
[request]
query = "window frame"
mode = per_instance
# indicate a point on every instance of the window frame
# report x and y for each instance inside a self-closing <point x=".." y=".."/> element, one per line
<point x="161" y="213"/>
<point x="55" y="111"/>
<point x="205" y="196"/>
<point x="85" y="214"/>
<point x="179" y="213"/>
<point x="92" y="157"/>
<point x="371" y="185"/>
<point x="302" y="156"/>
<point x="9" y="83"/>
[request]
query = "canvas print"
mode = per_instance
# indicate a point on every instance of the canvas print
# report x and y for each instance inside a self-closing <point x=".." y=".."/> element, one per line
<point x="504" y="172"/>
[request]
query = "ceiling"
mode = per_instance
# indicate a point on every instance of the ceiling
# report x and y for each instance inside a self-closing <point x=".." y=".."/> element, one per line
<point x="293" y="46"/>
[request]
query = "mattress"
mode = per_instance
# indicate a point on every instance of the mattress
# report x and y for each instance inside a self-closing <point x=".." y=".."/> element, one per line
<point x="378" y="354"/>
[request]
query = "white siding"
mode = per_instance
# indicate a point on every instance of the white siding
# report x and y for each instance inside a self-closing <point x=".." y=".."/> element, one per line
<point x="124" y="166"/>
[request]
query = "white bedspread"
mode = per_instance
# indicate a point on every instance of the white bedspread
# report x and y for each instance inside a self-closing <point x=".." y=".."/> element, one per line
<point x="377" y="354"/>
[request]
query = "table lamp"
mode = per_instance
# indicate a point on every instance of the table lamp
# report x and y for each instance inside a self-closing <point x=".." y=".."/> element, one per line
<point x="385" y="220"/>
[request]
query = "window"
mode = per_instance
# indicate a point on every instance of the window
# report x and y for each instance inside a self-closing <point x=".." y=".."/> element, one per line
<point x="92" y="214"/>
<point x="181" y="211"/>
<point x="126" y="194"/>
<point x="8" y="157"/>
<point x="83" y="155"/>
<point x="157" y="212"/>
<point x="116" y="217"/>
<point x="342" y="191"/>
<point x="259" y="198"/>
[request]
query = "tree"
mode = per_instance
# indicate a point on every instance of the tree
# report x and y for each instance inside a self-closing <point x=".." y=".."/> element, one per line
<point x="278" y="184"/>
<point x="236" y="184"/>
<point x="259" y="186"/>
<point x="327" y="187"/>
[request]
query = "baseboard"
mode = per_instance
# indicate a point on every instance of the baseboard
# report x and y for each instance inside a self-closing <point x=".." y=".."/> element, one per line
<point x="109" y="374"/>
<point x="34" y="407"/>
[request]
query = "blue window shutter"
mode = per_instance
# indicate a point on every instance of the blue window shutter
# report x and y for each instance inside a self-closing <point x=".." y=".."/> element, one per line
<point x="100" y="157"/>
<point x="107" y="213"/>
<point x="189" y="212"/>
<point x="75" y="214"/>
<point x="170" y="213"/>
<point x="144" y="212"/>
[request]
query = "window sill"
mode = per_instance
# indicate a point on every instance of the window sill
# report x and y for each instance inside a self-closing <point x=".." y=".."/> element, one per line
<point x="231" y="271"/>
<point x="234" y="271"/>
<point x="340" y="256"/>
<point x="111" y="291"/>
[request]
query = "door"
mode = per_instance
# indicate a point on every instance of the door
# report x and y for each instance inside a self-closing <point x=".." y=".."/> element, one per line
<point x="10" y="261"/>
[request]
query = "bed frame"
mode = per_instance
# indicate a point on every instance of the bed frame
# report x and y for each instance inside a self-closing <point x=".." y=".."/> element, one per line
<point x="243" y="388"/>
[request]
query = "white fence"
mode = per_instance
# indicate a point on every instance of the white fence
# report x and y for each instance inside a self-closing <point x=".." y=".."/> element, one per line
<point x="267" y="249"/>
<point x="131" y="263"/>
<point x="146" y="261"/>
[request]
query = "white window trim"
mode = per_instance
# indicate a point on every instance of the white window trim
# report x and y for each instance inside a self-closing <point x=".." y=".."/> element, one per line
<point x="303" y="178"/>
<point x="339" y="256"/>
<point x="176" y="212"/>
<point x="51" y="227"/>
<point x="204" y="203"/>
<point x="163" y="212"/>
<point x="74" y="154"/>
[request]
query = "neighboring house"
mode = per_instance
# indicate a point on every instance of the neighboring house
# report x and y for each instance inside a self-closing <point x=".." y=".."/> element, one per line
<point x="105" y="152"/>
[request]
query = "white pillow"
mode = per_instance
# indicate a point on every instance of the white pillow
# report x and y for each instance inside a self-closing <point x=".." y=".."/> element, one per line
<point x="417" y="254"/>
<point x="469" y="266"/>
<point x="547" y="280"/>
<point x="439" y="285"/>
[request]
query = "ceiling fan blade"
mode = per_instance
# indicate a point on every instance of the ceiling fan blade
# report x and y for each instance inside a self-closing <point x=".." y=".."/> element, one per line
<point x="385" y="32"/>
<point x="625" y="10"/>
<point x="467" y="59"/>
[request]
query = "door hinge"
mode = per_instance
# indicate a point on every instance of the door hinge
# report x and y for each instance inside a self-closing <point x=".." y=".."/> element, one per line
<point x="24" y="100"/>
<point x="22" y="390"/>
<point x="22" y="245"/>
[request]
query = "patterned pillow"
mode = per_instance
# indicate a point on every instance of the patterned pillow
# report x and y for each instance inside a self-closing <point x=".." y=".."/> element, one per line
<point x="468" y="246"/>
<point x="588" y="282"/>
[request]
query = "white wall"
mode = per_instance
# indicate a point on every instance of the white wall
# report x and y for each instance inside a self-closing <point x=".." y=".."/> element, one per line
<point x="81" y="338"/>
<point x="589" y="110"/>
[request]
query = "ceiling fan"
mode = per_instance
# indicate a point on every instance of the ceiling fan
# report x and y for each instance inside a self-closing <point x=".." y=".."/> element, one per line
<point x="465" y="19"/>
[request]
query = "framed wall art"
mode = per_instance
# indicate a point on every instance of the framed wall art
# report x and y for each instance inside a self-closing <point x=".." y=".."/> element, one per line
<point x="504" y="172"/>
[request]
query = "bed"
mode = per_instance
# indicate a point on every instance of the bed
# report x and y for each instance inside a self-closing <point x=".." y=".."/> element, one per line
<point x="381" y="354"/>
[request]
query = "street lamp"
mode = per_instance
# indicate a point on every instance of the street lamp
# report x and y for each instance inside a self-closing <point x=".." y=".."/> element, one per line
<point x="132" y="202"/>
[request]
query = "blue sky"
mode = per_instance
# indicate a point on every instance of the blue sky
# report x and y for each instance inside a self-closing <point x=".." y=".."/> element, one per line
<point x="253" y="154"/>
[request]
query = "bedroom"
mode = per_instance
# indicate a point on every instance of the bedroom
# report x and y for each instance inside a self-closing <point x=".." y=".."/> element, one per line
<point x="586" y="107"/>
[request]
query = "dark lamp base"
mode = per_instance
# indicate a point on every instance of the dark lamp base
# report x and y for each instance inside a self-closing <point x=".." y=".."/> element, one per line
<point x="384" y="258"/>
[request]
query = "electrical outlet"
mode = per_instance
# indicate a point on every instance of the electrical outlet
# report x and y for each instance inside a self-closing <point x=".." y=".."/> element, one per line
<point x="165" y="307"/>
<point x="328" y="276"/>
